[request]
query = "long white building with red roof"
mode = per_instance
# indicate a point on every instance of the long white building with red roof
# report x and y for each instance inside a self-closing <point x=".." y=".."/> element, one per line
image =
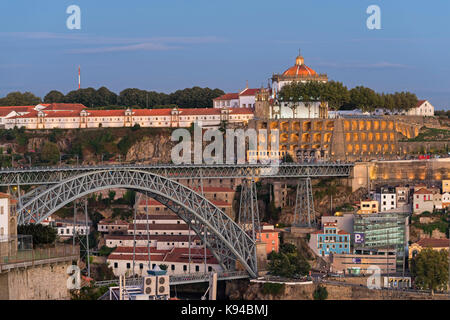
<point x="243" y="99"/>
<point x="74" y="116"/>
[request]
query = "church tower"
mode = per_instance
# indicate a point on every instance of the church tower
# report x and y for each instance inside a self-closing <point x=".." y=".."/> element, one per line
<point x="262" y="104"/>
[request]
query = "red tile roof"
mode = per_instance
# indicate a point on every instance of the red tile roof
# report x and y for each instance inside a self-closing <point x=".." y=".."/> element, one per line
<point x="423" y="191"/>
<point x="249" y="92"/>
<point x="228" y="96"/>
<point x="420" y="102"/>
<point x="152" y="112"/>
<point x="433" y="243"/>
<point x="63" y="106"/>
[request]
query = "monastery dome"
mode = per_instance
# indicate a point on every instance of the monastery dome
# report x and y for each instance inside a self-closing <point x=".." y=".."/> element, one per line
<point x="300" y="69"/>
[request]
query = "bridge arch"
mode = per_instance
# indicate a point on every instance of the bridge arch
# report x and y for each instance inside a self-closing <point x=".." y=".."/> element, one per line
<point x="227" y="240"/>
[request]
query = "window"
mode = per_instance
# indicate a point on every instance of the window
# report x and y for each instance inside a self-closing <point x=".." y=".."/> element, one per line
<point x="141" y="266"/>
<point x="172" y="267"/>
<point x="197" y="268"/>
<point x="128" y="265"/>
<point x="115" y="264"/>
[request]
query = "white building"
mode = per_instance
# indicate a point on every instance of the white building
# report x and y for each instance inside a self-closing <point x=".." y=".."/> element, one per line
<point x="243" y="99"/>
<point x="163" y="118"/>
<point x="423" y="108"/>
<point x="177" y="261"/>
<point x="387" y="198"/>
<point x="66" y="228"/>
<point x="8" y="219"/>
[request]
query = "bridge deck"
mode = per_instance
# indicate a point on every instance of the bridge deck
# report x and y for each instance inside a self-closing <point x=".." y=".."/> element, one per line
<point x="51" y="175"/>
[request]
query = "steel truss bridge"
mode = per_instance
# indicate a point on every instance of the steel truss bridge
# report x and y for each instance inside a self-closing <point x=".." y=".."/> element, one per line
<point x="229" y="242"/>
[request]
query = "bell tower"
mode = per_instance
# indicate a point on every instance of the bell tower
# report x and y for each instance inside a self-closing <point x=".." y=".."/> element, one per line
<point x="262" y="105"/>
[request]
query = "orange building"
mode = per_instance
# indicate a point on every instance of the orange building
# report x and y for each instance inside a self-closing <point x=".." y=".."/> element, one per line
<point x="269" y="236"/>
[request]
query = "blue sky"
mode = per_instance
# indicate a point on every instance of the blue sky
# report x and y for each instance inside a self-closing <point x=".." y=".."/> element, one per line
<point x="166" y="45"/>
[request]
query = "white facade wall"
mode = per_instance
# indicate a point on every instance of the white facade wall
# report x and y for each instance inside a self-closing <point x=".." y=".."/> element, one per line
<point x="124" y="267"/>
<point x="121" y="121"/>
<point x="4" y="218"/>
<point x="289" y="110"/>
<point x="67" y="231"/>
<point x="154" y="231"/>
<point x="232" y="103"/>
<point x="421" y="203"/>
<point x="247" y="101"/>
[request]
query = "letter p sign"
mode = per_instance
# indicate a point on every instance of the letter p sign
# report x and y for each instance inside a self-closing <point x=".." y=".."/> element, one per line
<point x="74" y="20"/>
<point x="374" y="20"/>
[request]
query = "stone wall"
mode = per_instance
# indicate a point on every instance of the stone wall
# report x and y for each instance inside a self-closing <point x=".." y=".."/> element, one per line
<point x="400" y="172"/>
<point x="340" y="139"/>
<point x="335" y="292"/>
<point x="44" y="282"/>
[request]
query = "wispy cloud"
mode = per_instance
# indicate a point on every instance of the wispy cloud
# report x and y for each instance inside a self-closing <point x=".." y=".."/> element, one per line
<point x="357" y="65"/>
<point x="134" y="47"/>
<point x="102" y="44"/>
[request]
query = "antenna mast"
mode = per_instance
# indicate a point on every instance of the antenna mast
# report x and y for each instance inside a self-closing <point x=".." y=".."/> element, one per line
<point x="79" y="77"/>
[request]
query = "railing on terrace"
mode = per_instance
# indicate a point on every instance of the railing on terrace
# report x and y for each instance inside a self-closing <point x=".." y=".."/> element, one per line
<point x="31" y="256"/>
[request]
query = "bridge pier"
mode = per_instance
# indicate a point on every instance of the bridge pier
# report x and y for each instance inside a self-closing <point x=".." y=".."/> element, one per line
<point x="304" y="204"/>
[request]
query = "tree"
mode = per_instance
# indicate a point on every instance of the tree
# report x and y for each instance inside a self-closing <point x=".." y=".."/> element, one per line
<point x="105" y="97"/>
<point x="336" y="94"/>
<point x="320" y="293"/>
<point x="288" y="263"/>
<point x="430" y="269"/>
<point x="50" y="153"/>
<point x="54" y="96"/>
<point x="364" y="98"/>
<point x="41" y="234"/>
<point x="20" y="99"/>
<point x="111" y="195"/>
<point x="130" y="197"/>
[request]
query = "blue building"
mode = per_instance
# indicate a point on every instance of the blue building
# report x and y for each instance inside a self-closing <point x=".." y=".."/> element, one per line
<point x="330" y="240"/>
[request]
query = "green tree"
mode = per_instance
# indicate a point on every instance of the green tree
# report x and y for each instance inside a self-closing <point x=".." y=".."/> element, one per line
<point x="111" y="195"/>
<point x="430" y="269"/>
<point x="288" y="262"/>
<point x="130" y="197"/>
<point x="20" y="99"/>
<point x="364" y="98"/>
<point x="54" y="96"/>
<point x="320" y="293"/>
<point x="41" y="234"/>
<point x="50" y="153"/>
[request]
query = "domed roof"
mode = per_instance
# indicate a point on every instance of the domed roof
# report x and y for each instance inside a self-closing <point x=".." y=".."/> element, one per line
<point x="300" y="69"/>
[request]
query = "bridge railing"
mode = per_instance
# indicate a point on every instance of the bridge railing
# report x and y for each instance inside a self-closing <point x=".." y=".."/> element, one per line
<point x="26" y="257"/>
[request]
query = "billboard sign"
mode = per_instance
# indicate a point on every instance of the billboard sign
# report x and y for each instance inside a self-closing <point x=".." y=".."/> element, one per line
<point x="356" y="260"/>
<point x="359" y="237"/>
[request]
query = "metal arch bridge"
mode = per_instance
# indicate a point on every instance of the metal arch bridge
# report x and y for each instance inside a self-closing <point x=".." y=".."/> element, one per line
<point x="228" y="242"/>
<point x="51" y="175"/>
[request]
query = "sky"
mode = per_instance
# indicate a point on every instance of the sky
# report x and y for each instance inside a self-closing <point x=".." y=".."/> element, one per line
<point x="166" y="45"/>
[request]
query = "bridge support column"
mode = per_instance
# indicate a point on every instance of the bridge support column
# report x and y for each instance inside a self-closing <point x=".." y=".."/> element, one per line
<point x="83" y="239"/>
<point x="248" y="208"/>
<point x="304" y="204"/>
<point x="213" y="286"/>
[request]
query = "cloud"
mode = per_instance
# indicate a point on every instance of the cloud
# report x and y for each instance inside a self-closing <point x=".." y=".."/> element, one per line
<point x="93" y="43"/>
<point x="356" y="65"/>
<point x="134" y="47"/>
